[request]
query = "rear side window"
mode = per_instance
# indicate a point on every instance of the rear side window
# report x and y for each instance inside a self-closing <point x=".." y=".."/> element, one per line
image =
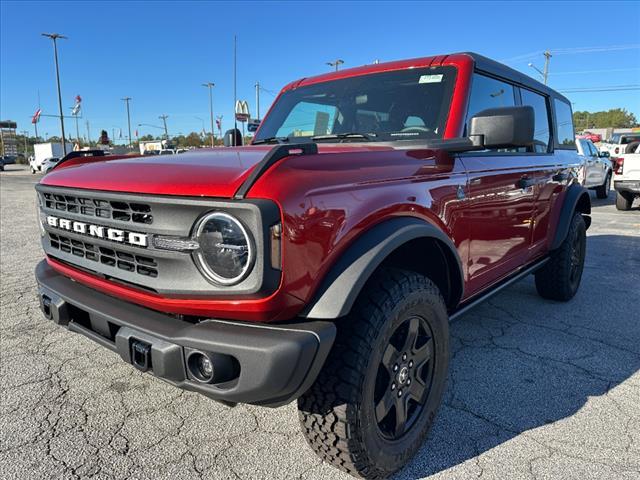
<point x="564" y="122"/>
<point x="542" y="132"/>
<point x="488" y="92"/>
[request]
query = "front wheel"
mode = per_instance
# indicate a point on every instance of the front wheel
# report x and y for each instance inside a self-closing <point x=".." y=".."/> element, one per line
<point x="603" y="190"/>
<point x="377" y="395"/>
<point x="560" y="277"/>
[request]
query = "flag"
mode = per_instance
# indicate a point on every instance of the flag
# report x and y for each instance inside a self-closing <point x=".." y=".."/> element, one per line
<point x="36" y="116"/>
<point x="76" y="108"/>
<point x="218" y="124"/>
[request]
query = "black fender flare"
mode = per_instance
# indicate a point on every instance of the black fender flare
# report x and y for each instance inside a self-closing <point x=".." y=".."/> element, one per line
<point x="344" y="282"/>
<point x="576" y="197"/>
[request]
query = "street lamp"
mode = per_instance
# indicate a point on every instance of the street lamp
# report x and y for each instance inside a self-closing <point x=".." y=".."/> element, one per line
<point x="336" y="63"/>
<point x="210" y="86"/>
<point x="55" y="37"/>
<point x="544" y="73"/>
<point x="126" y="100"/>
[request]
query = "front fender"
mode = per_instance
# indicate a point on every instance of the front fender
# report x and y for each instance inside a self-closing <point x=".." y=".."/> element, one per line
<point x="345" y="281"/>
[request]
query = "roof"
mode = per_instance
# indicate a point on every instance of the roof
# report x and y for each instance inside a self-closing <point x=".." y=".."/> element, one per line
<point x="481" y="63"/>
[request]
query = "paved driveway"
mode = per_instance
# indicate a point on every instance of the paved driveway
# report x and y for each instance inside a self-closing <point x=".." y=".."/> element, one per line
<point x="537" y="389"/>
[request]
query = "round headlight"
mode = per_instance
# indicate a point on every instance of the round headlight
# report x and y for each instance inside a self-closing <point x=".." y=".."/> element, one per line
<point x="226" y="253"/>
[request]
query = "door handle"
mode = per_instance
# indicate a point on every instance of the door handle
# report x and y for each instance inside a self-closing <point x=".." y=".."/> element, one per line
<point x="525" y="182"/>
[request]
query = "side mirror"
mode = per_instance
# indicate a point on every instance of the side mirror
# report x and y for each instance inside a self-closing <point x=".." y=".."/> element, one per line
<point x="505" y="127"/>
<point x="604" y="154"/>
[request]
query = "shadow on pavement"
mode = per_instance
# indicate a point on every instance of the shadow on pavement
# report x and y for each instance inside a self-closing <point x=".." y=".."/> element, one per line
<point x="520" y="362"/>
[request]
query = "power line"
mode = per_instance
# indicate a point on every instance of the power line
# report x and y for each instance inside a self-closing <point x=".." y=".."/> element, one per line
<point x="610" y="88"/>
<point x="597" y="71"/>
<point x="568" y="51"/>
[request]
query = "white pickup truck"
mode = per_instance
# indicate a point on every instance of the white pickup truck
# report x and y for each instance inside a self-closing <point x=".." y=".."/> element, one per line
<point x="626" y="179"/>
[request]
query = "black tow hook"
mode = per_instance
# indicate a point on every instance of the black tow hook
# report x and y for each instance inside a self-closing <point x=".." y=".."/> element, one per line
<point x="140" y="355"/>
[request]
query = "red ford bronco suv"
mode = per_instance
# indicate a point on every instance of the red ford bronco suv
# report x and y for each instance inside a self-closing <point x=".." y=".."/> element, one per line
<point x="324" y="262"/>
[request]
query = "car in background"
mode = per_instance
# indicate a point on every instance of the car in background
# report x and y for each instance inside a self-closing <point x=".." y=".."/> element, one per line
<point x="626" y="180"/>
<point x="166" y="151"/>
<point x="182" y="150"/>
<point x="598" y="167"/>
<point x="594" y="137"/>
<point x="48" y="164"/>
<point x="618" y="143"/>
<point x="2" y="164"/>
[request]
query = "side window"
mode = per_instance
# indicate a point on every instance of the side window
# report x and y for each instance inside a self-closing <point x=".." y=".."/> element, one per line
<point x="564" y="124"/>
<point x="489" y="93"/>
<point x="486" y="93"/>
<point x="592" y="149"/>
<point x="542" y="133"/>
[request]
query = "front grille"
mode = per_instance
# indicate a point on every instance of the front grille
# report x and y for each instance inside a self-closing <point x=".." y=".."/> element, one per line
<point x="129" y="262"/>
<point x="93" y="207"/>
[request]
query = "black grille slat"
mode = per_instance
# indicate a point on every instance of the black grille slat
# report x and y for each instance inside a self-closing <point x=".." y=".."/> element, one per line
<point x="93" y="207"/>
<point x="128" y="262"/>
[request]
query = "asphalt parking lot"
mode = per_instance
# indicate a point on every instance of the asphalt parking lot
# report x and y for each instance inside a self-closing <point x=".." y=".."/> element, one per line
<point x="537" y="389"/>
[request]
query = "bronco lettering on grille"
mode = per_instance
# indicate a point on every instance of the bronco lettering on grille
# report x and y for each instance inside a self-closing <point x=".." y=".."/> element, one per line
<point x="113" y="234"/>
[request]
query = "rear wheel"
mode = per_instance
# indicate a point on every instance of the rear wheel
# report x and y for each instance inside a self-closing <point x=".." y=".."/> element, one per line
<point x="623" y="201"/>
<point x="377" y="395"/>
<point x="603" y="190"/>
<point x="560" y="277"/>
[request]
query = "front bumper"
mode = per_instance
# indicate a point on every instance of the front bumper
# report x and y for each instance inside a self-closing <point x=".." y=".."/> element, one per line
<point x="274" y="364"/>
<point x="631" y="186"/>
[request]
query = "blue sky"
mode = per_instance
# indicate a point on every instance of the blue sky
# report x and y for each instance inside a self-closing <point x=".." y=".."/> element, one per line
<point x="159" y="53"/>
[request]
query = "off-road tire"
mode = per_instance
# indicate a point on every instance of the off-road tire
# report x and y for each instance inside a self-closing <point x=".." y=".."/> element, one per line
<point x="560" y="277"/>
<point x="337" y="414"/>
<point x="623" y="202"/>
<point x="603" y="190"/>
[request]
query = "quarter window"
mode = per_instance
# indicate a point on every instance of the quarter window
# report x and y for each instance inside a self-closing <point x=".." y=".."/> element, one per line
<point x="542" y="133"/>
<point x="564" y="121"/>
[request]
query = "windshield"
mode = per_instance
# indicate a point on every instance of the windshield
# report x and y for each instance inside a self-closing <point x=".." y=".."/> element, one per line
<point x="401" y="105"/>
<point x="621" y="138"/>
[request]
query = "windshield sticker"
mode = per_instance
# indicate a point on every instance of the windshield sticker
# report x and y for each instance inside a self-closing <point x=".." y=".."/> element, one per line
<point x="430" y="78"/>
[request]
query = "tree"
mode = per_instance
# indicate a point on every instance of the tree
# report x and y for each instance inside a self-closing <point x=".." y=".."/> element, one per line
<point x="614" y="118"/>
<point x="147" y="138"/>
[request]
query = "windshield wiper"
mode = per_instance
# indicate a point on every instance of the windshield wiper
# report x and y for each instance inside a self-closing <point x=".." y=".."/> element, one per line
<point x="270" y="140"/>
<point x="342" y="136"/>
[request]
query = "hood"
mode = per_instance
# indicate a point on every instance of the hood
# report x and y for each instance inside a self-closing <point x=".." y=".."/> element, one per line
<point x="215" y="172"/>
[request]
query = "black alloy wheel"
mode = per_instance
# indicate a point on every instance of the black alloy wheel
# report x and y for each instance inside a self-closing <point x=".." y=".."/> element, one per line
<point x="404" y="377"/>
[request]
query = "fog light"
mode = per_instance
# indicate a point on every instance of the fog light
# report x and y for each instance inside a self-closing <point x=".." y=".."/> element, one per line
<point x="201" y="367"/>
<point x="205" y="367"/>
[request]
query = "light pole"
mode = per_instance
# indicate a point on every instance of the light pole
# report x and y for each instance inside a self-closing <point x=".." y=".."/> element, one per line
<point x="210" y="86"/>
<point x="55" y="37"/>
<point x="25" y="133"/>
<point x="164" y="122"/>
<point x="126" y="100"/>
<point x="219" y="118"/>
<point x="545" y="71"/>
<point x="258" y="101"/>
<point x="75" y="115"/>
<point x="336" y="63"/>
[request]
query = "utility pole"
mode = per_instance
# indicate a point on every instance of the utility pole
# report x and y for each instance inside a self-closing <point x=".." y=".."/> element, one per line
<point x="55" y="37"/>
<point x="88" y="134"/>
<point x="164" y="121"/>
<point x="257" y="100"/>
<point x="127" y="100"/>
<point x="336" y="63"/>
<point x="545" y="71"/>
<point x="210" y="86"/>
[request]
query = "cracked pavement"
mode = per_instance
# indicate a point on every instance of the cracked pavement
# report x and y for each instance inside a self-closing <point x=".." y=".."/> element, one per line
<point x="537" y="389"/>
